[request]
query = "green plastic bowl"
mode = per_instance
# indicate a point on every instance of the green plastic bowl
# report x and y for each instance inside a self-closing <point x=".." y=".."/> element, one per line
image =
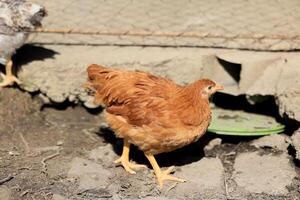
<point x="240" y="123"/>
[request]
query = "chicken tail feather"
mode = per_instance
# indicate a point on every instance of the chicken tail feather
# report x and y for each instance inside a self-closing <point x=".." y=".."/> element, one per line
<point x="101" y="83"/>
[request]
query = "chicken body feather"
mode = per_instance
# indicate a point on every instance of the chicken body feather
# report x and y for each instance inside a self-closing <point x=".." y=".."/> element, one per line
<point x="151" y="112"/>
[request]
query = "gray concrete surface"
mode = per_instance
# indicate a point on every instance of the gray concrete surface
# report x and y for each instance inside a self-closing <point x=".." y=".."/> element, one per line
<point x="66" y="72"/>
<point x="91" y="175"/>
<point x="205" y="177"/>
<point x="59" y="71"/>
<point x="274" y="141"/>
<point x="268" y="174"/>
<point x="103" y="154"/>
<point x="5" y="193"/>
<point x="213" y="143"/>
<point x="204" y="180"/>
<point x="254" y="175"/>
<point x="58" y="197"/>
<point x="246" y="24"/>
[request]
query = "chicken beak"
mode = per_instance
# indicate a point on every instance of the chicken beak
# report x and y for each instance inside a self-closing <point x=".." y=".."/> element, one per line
<point x="218" y="87"/>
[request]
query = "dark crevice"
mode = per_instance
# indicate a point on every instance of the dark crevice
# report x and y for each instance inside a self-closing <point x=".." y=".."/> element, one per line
<point x="94" y="111"/>
<point x="292" y="152"/>
<point x="233" y="69"/>
<point x="59" y="106"/>
<point x="291" y="125"/>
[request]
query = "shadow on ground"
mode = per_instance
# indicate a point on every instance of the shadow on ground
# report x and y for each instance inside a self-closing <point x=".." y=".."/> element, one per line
<point x="29" y="53"/>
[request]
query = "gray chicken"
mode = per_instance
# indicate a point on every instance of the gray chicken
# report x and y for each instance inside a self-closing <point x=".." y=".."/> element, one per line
<point x="17" y="19"/>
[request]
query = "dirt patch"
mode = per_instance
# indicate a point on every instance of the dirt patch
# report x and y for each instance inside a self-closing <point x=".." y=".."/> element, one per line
<point x="67" y="153"/>
<point x="37" y="146"/>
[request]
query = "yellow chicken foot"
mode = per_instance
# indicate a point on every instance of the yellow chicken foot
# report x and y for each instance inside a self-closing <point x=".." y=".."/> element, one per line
<point x="162" y="175"/>
<point x="124" y="159"/>
<point x="9" y="79"/>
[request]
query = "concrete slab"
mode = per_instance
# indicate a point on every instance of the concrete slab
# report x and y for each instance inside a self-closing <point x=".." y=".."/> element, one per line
<point x="91" y="175"/>
<point x="275" y="141"/>
<point x="58" y="197"/>
<point x="59" y="71"/>
<point x="5" y="193"/>
<point x="242" y="24"/>
<point x="156" y="198"/>
<point x="288" y="91"/>
<point x="104" y="155"/>
<point x="270" y="174"/>
<point x="212" y="144"/>
<point x="204" y="180"/>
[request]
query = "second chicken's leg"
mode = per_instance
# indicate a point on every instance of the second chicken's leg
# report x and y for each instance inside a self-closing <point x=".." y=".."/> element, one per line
<point x="124" y="159"/>
<point x="9" y="79"/>
<point x="162" y="175"/>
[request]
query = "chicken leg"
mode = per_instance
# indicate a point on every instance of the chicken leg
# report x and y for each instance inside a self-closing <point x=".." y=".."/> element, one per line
<point x="9" y="79"/>
<point x="124" y="159"/>
<point x="162" y="175"/>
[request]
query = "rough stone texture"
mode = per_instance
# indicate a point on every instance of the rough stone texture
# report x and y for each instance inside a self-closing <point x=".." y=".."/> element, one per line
<point x="213" y="143"/>
<point x="275" y="141"/>
<point x="204" y="180"/>
<point x="58" y="197"/>
<point x="262" y="73"/>
<point x="61" y="78"/>
<point x="241" y="24"/>
<point x="156" y="198"/>
<point x="263" y="174"/>
<point x="104" y="155"/>
<point x="5" y="193"/>
<point x="296" y="143"/>
<point x="59" y="72"/>
<point x="288" y="88"/>
<point x="91" y="175"/>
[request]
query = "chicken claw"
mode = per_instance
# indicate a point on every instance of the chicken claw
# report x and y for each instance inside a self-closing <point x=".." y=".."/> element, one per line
<point x="124" y="160"/>
<point x="9" y="79"/>
<point x="162" y="175"/>
<point x="128" y="166"/>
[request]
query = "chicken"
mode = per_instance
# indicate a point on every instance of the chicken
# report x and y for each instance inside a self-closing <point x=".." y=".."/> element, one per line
<point x="17" y="19"/>
<point x="151" y="112"/>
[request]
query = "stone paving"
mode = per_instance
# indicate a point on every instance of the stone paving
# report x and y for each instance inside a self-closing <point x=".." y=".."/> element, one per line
<point x="263" y="174"/>
<point x="252" y="174"/>
<point x="242" y="24"/>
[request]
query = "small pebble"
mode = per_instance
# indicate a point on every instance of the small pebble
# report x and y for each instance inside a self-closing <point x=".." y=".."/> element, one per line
<point x="13" y="153"/>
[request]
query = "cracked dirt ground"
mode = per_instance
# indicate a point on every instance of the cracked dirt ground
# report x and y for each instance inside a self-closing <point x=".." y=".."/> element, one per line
<point x="67" y="152"/>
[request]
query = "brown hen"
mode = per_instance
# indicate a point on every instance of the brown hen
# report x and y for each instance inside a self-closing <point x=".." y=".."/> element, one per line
<point x="151" y="112"/>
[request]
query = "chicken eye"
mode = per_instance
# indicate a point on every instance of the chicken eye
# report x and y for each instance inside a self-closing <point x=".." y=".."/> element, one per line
<point x="210" y="87"/>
